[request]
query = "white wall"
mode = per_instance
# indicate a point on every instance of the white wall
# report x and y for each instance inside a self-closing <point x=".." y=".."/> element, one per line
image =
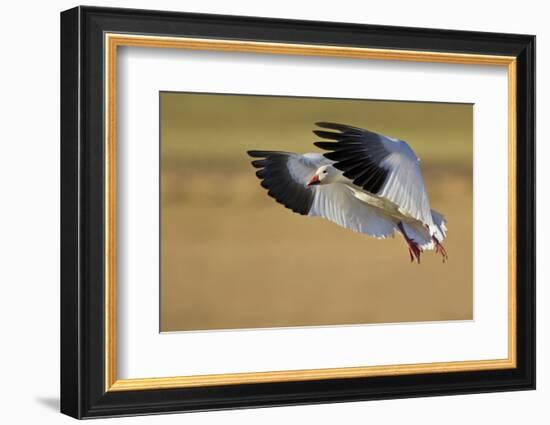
<point x="29" y="213"/>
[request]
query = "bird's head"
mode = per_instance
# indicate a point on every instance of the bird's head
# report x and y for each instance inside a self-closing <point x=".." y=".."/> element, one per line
<point x="322" y="175"/>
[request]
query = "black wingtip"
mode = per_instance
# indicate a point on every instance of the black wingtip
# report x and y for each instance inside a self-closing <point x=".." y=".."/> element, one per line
<point x="267" y="154"/>
<point x="256" y="154"/>
<point x="259" y="163"/>
<point x="331" y="135"/>
<point x="329" y="146"/>
<point x="331" y="125"/>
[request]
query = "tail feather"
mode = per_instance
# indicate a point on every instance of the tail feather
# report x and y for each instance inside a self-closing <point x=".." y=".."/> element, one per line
<point x="440" y="231"/>
<point x="420" y="234"/>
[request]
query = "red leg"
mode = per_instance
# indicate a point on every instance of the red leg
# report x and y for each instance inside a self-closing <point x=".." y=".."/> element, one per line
<point x="414" y="249"/>
<point x="439" y="249"/>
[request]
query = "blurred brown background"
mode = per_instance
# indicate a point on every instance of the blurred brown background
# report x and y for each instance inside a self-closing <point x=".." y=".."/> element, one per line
<point x="231" y="257"/>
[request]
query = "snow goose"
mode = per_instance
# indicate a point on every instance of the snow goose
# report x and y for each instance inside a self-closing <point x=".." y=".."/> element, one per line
<point x="366" y="182"/>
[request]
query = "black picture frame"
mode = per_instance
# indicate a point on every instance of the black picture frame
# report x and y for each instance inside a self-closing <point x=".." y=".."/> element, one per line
<point x="83" y="392"/>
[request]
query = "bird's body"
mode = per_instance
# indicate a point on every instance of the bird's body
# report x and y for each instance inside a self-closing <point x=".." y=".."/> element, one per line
<point x="367" y="182"/>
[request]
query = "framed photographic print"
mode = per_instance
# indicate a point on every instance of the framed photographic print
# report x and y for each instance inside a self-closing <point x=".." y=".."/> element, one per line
<point x="261" y="212"/>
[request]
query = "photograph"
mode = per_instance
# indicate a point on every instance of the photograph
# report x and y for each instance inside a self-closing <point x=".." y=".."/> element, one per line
<point x="281" y="211"/>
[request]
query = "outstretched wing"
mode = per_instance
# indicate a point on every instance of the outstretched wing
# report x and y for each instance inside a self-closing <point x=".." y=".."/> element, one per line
<point x="285" y="175"/>
<point x="385" y="167"/>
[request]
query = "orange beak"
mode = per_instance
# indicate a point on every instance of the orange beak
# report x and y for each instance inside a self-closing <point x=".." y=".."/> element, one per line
<point x="314" y="180"/>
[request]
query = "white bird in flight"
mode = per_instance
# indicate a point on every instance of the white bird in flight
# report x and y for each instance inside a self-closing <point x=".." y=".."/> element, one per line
<point x="367" y="182"/>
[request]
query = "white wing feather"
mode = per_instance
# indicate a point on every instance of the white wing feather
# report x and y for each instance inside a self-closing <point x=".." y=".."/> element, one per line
<point x="336" y="203"/>
<point x="405" y="185"/>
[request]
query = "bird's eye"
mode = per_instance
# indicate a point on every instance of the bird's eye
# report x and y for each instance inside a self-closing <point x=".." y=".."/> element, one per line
<point x="325" y="172"/>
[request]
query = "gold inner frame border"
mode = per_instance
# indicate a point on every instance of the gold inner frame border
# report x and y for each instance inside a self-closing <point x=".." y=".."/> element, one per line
<point x="113" y="40"/>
